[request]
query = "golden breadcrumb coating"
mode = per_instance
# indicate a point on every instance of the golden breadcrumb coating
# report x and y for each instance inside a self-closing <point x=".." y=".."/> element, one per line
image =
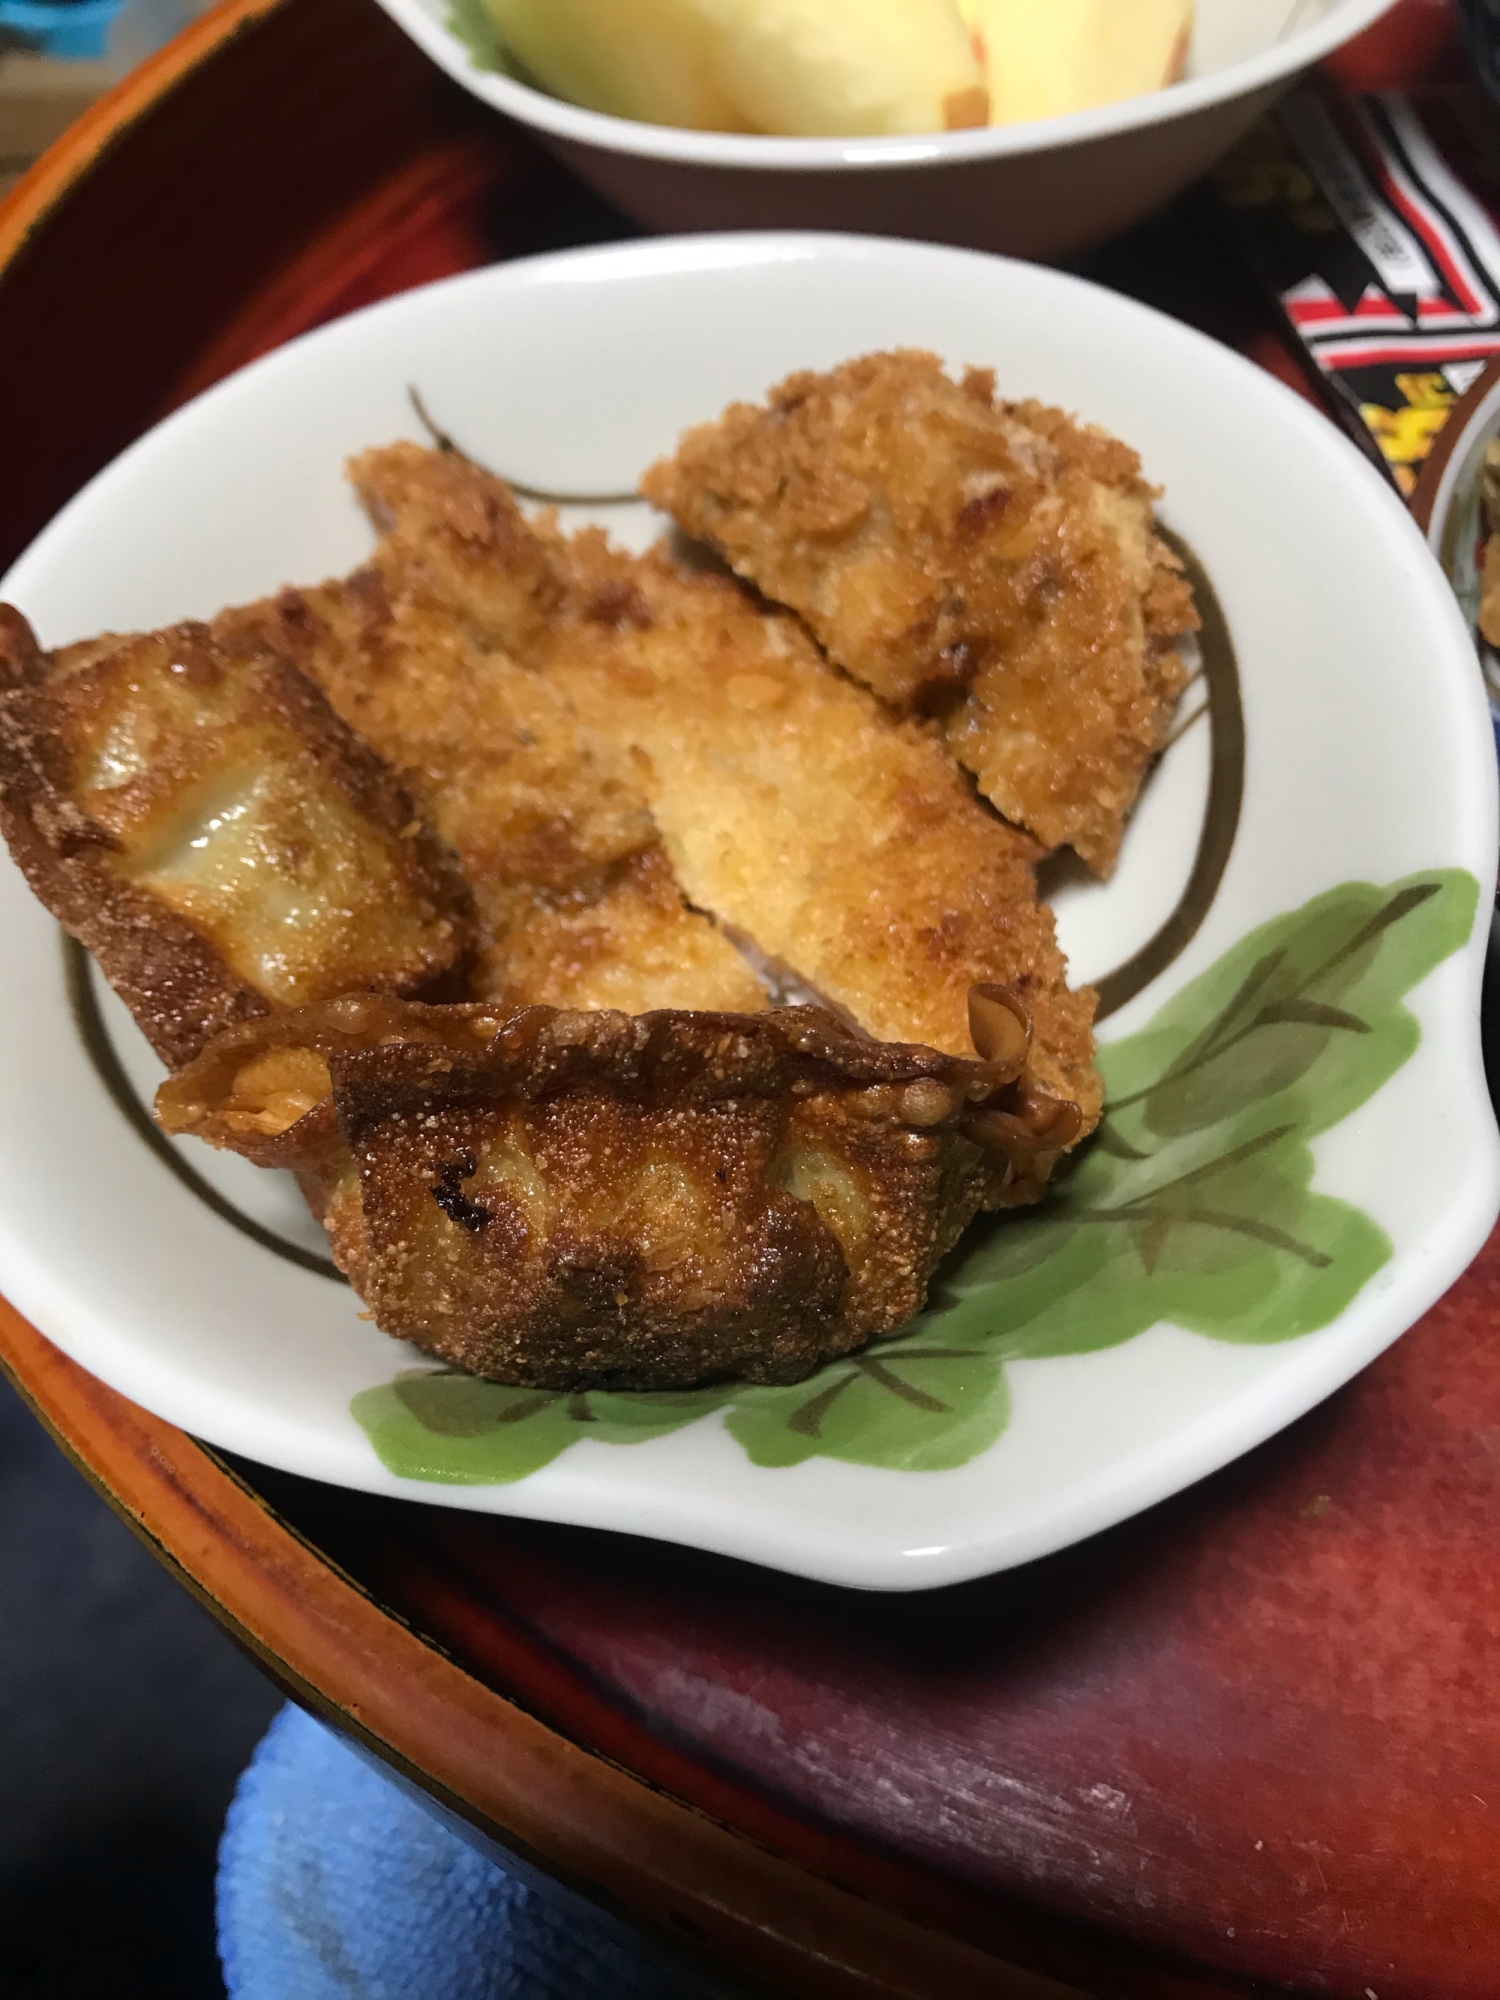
<point x="633" y="946"/>
<point x="451" y="534"/>
<point x="575" y="902"/>
<point x="845" y="843"/>
<point x="582" y="1200"/>
<point x="995" y="563"/>
<point x="199" y="817"/>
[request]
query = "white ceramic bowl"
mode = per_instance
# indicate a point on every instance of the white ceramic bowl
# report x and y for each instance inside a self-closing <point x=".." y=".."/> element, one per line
<point x="1038" y="190"/>
<point x="1067" y="1399"/>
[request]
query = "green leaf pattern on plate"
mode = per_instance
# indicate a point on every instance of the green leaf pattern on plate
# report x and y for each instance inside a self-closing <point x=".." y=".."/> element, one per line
<point x="1193" y="1205"/>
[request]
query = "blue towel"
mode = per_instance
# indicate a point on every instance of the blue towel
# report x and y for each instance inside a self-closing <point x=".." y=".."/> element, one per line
<point x="335" y="1885"/>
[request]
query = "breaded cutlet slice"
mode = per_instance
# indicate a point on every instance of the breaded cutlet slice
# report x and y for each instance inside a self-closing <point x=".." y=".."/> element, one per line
<point x="845" y="843"/>
<point x="451" y="533"/>
<point x="197" y="815"/>
<point x="575" y="902"/>
<point x="579" y="1200"/>
<point x="994" y="563"/>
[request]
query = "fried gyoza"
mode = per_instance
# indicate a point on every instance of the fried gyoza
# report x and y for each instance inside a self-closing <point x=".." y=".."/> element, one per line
<point x="575" y="902"/>
<point x="996" y="563"/>
<point x="593" y="1200"/>
<point x="845" y="843"/>
<point x="200" y="818"/>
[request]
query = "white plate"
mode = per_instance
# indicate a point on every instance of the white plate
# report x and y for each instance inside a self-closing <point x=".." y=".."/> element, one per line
<point x="1368" y="759"/>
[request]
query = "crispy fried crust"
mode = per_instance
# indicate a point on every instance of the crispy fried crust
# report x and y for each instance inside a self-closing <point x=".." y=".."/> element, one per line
<point x="593" y="1200"/>
<point x="845" y="843"/>
<point x="262" y="1088"/>
<point x="200" y="818"/>
<point x="453" y="535"/>
<point x="632" y="946"/>
<point x="996" y="563"/>
<point x="576" y="903"/>
<point x="792" y="808"/>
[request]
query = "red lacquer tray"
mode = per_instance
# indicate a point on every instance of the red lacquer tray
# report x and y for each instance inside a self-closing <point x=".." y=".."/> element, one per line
<point x="1246" y="1744"/>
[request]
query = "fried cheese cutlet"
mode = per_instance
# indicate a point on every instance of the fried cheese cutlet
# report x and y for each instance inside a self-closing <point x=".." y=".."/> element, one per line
<point x="197" y="815"/>
<point x="575" y="901"/>
<point x="843" y="841"/>
<point x="995" y="563"/>
<point x="576" y="1200"/>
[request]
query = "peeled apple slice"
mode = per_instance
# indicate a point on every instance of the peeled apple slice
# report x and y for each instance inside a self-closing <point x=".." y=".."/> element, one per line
<point x="1043" y="58"/>
<point x="653" y="60"/>
<point x="801" y="68"/>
